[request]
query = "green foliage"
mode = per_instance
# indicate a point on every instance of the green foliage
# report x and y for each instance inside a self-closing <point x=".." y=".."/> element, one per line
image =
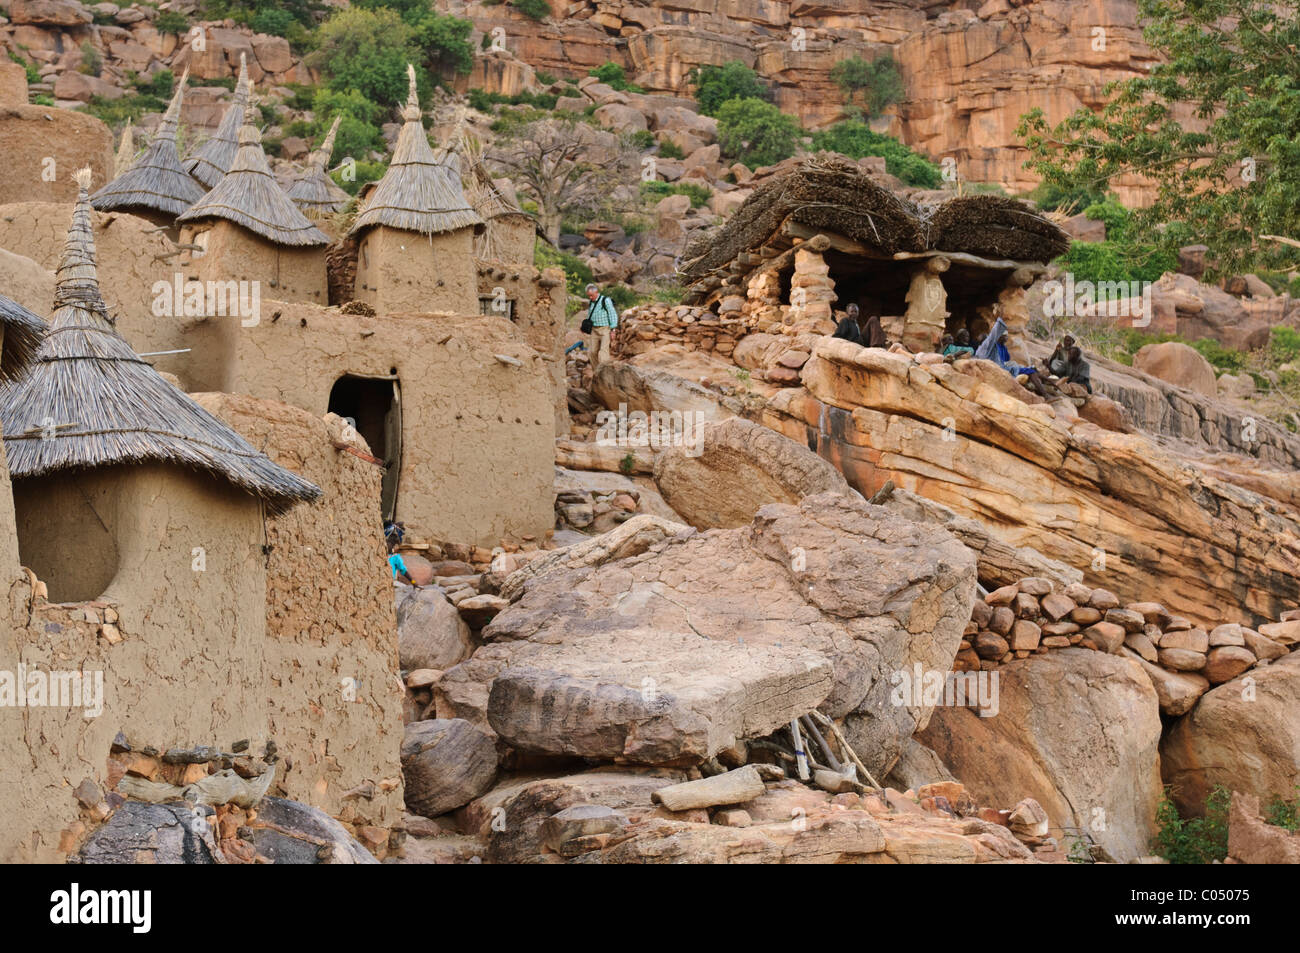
<point x="756" y="132"/>
<point x="545" y="78"/>
<point x="879" y="81"/>
<point x="715" y="85"/>
<point x="367" y="51"/>
<point x="576" y="274"/>
<point x="1117" y="261"/>
<point x="301" y="96"/>
<point x="172" y="21"/>
<point x="1113" y="215"/>
<point x="132" y="106"/>
<point x="627" y="464"/>
<point x="1283" y="813"/>
<point x="1223" y="359"/>
<point x="1200" y="840"/>
<point x="358" y="133"/>
<point x="1226" y="180"/>
<point x="273" y="20"/>
<point x="486" y="102"/>
<point x="1284" y="345"/>
<point x="92" y="61"/>
<point x="622" y="296"/>
<point x="31" y="69"/>
<point x="856" y="139"/>
<point x="533" y="9"/>
<point x="1054" y="198"/>
<point x="670" y="150"/>
<point x="365" y="172"/>
<point x="613" y="75"/>
<point x="161" y="84"/>
<point x="641" y="140"/>
<point x="43" y="99"/>
<point x="698" y="194"/>
<point x="444" y="39"/>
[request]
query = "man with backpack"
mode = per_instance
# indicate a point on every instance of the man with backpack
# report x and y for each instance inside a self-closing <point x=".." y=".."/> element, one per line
<point x="601" y="323"/>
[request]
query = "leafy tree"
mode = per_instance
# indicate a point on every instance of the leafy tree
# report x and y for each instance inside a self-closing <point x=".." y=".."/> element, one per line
<point x="367" y="51"/>
<point x="856" y="139"/>
<point x="1214" y="127"/>
<point x="756" y="132"/>
<point x="715" y="85"/>
<point x="613" y="75"/>
<point x="445" y="42"/>
<point x="879" y="81"/>
<point x="358" y="130"/>
<point x="172" y="21"/>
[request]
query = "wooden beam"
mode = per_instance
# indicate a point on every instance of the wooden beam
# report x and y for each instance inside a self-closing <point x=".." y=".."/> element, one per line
<point x="833" y="240"/>
<point x="961" y="257"/>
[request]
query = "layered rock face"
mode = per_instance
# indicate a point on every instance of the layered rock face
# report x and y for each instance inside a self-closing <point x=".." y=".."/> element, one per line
<point x="657" y="660"/>
<point x="1115" y="505"/>
<point x="969" y="75"/>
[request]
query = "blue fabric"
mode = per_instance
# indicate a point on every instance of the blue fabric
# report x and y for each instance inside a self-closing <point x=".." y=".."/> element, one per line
<point x="987" y="350"/>
<point x="602" y="313"/>
<point x="398" y="564"/>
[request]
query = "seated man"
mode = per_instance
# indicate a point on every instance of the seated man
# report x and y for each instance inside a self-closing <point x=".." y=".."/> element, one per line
<point x="994" y="348"/>
<point x="1056" y="363"/>
<point x="847" y="329"/>
<point x="958" y="347"/>
<point x="1077" y="370"/>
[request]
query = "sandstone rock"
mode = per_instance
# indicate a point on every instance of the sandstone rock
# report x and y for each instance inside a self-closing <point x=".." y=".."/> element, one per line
<point x="1182" y="660"/>
<point x="446" y="763"/>
<point x="1003" y="596"/>
<point x="1024" y="636"/>
<point x="430" y="632"/>
<point x="1178" y="364"/>
<point x="1077" y="731"/>
<point x="1142" y="645"/>
<point x="1057" y="606"/>
<point x="1228" y="634"/>
<point x="1226" y="662"/>
<point x="1127" y="619"/>
<point x="730" y="787"/>
<point x="1243" y="734"/>
<point x="1177" y="691"/>
<point x="1028" y="819"/>
<point x="138" y="832"/>
<point x="1253" y="841"/>
<point x="1196" y="640"/>
<point x="990" y="645"/>
<point x="1261" y="646"/>
<point x="1288" y="633"/>
<point x="290" y="832"/>
<point x="1107" y="636"/>
<point x="565" y="831"/>
<point x="730" y="469"/>
<point x="49" y="13"/>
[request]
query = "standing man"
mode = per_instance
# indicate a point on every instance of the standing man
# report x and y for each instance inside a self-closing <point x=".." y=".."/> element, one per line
<point x="604" y="322"/>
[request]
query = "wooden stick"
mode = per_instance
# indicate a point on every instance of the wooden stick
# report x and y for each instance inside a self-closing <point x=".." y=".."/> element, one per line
<point x="848" y="749"/>
<point x="801" y="756"/>
<point x="817" y="736"/>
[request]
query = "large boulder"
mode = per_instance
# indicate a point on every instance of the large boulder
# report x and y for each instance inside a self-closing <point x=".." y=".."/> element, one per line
<point x="1244" y="734"/>
<point x="446" y="763"/>
<point x="430" y="632"/>
<point x="1076" y="730"/>
<point x="1178" y="364"/>
<point x="736" y="466"/>
<point x="671" y="656"/>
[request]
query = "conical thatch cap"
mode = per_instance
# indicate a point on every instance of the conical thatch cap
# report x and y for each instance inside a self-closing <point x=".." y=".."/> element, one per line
<point x="125" y="150"/>
<point x="213" y="159"/>
<point x="248" y="195"/>
<point x="418" y="193"/>
<point x="88" y="400"/>
<point x="157" y="181"/>
<point x="23" y="332"/>
<point x="314" y="192"/>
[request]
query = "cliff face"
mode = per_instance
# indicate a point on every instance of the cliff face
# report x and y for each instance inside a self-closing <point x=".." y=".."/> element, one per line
<point x="970" y="70"/>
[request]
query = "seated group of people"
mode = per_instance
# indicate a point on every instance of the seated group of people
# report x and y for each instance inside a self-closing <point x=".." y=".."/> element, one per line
<point x="1066" y="363"/>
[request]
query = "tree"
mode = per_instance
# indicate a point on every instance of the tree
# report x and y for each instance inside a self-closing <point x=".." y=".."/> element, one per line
<point x="442" y="38"/>
<point x="566" y="167"/>
<point x="715" y="85"/>
<point x="366" y="50"/>
<point x="358" y="131"/>
<point x="1214" y="128"/>
<point x="756" y="132"/>
<point x="879" y="81"/>
<point x="855" y="139"/>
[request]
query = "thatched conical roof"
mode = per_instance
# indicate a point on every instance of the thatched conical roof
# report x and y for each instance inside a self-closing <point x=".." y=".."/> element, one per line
<point x="314" y="191"/>
<point x="491" y="203"/>
<point x="156" y="181"/>
<point x="214" y="157"/>
<point x="248" y="195"/>
<point x="23" y="333"/>
<point x="88" y="400"/>
<point x="418" y="193"/>
<point x="994" y="226"/>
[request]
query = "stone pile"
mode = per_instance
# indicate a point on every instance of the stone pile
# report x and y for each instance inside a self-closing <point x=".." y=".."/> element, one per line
<point x="1184" y="660"/>
<point x="698" y="329"/>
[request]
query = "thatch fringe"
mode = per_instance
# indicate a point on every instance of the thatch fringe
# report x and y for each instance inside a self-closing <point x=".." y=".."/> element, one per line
<point x="248" y="195"/>
<point x="157" y="181"/>
<point x="214" y="157"/>
<point x="88" y="400"/>
<point x="418" y="193"/>
<point x="314" y="192"/>
<point x="994" y="226"/>
<point x="23" y="333"/>
<point x="483" y="195"/>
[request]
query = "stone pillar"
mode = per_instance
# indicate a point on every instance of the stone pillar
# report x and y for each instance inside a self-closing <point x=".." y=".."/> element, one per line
<point x="927" y="307"/>
<point x="763" y="301"/>
<point x="811" y="293"/>
<point x="1013" y="307"/>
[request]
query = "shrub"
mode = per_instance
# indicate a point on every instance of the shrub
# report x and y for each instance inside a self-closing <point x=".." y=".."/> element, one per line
<point x="92" y="61"/>
<point x="756" y="132"/>
<point x="533" y="9"/>
<point x="273" y="20"/>
<point x="1111" y="214"/>
<point x="358" y="130"/>
<point x="1284" y="813"/>
<point x="715" y="85"/>
<point x="576" y="273"/>
<point x="363" y="172"/>
<point x="31" y="69"/>
<point x="879" y="81"/>
<point x="1053" y="198"/>
<point x="670" y="150"/>
<point x="1224" y="360"/>
<point x="613" y="75"/>
<point x="1116" y="261"/>
<point x="622" y="296"/>
<point x="1200" y="840"/>
<point x="161" y="84"/>
<point x="641" y="140"/>
<point x="545" y="78"/>
<point x="698" y="194"/>
<point x="855" y="139"/>
<point x="1283" y="345"/>
<point x="445" y="42"/>
<point x="367" y="51"/>
<point x="171" y="21"/>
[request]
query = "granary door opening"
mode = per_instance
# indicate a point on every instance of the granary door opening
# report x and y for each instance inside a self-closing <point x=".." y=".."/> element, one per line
<point x="374" y="406"/>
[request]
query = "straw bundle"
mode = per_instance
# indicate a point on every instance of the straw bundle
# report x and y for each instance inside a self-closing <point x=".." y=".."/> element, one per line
<point x="418" y="193"/>
<point x="484" y="197"/>
<point x="995" y="227"/>
<point x="89" y="401"/>
<point x="825" y="191"/>
<point x="157" y="181"/>
<point x="248" y="195"/>
<point x="314" y="192"/>
<point x="213" y="159"/>
<point x="23" y="333"/>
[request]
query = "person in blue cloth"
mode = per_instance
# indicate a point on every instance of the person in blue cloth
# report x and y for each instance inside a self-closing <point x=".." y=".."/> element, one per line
<point x="994" y="348"/>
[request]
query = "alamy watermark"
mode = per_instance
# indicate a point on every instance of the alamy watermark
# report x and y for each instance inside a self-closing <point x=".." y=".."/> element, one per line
<point x="180" y="298"/>
<point x="919" y="687"/>
<point x="659" y="429"/>
<point x="1114" y="299"/>
<point x="32" y="688"/>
